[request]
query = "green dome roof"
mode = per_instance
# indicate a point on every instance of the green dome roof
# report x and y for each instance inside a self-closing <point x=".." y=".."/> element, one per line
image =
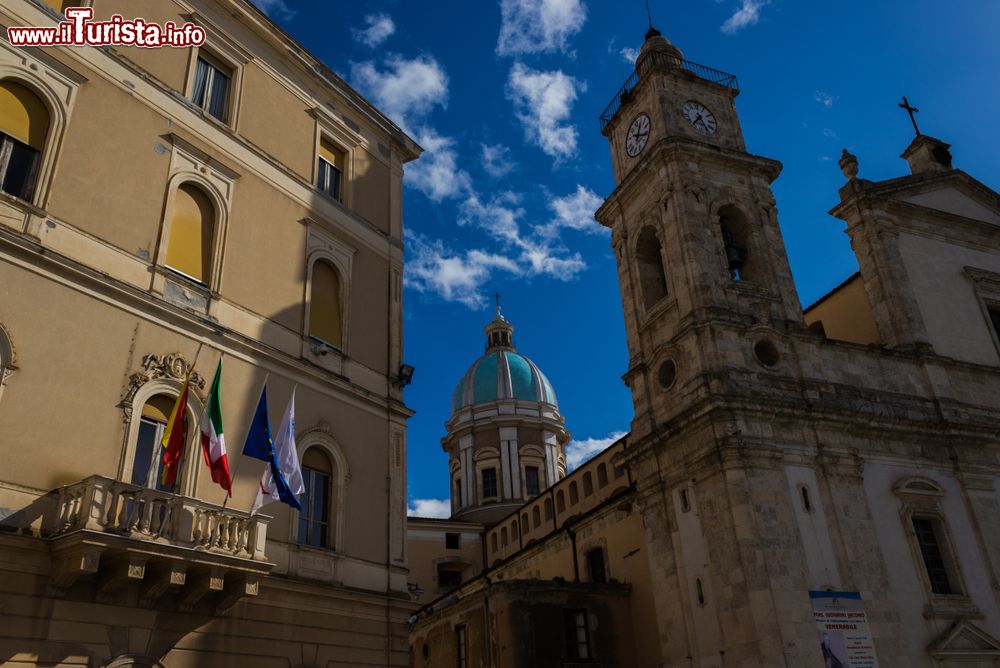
<point x="502" y="373"/>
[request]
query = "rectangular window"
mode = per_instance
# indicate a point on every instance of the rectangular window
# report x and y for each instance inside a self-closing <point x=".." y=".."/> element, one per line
<point x="212" y="81"/>
<point x="930" y="550"/>
<point x="461" y="647"/>
<point x="994" y="312"/>
<point x="577" y="637"/>
<point x="147" y="466"/>
<point x="595" y="564"/>
<point x="18" y="166"/>
<point x="458" y="492"/>
<point x="449" y="578"/>
<point x="489" y="483"/>
<point x="531" y="485"/>
<point x="330" y="170"/>
<point x="452" y="541"/>
<point x="315" y="502"/>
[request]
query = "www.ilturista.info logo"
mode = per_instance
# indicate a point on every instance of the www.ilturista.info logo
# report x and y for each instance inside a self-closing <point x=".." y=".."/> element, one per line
<point x="79" y="30"/>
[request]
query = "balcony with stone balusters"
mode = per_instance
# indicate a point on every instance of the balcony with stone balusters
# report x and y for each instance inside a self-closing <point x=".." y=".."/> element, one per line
<point x="154" y="548"/>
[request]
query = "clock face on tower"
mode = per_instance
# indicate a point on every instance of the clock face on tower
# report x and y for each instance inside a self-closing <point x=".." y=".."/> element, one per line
<point x="700" y="118"/>
<point x="638" y="135"/>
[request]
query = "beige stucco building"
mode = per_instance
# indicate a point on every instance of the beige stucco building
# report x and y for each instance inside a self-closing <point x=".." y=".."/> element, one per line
<point x="797" y="489"/>
<point x="163" y="208"/>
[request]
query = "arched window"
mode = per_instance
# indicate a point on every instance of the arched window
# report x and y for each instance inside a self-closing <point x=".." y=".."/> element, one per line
<point x="588" y="484"/>
<point x="525" y="524"/>
<point x="314" y="518"/>
<point x="493" y="542"/>
<point x="735" y="241"/>
<point x="6" y="358"/>
<point x="325" y="307"/>
<point x="548" y="509"/>
<point x="649" y="260"/>
<point x="560" y="501"/>
<point x="536" y="517"/>
<point x="503" y="537"/>
<point x="192" y="232"/>
<point x="147" y="461"/>
<point x="574" y="494"/>
<point x="602" y="475"/>
<point x="24" y="127"/>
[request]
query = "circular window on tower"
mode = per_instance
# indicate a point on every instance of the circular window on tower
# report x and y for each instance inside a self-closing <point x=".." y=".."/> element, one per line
<point x="666" y="374"/>
<point x="766" y="353"/>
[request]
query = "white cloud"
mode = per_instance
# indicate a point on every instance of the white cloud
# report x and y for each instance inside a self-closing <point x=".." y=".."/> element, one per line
<point x="406" y="90"/>
<point x="378" y="28"/>
<point x="574" y="211"/>
<point x="543" y="259"/>
<point x="542" y="102"/>
<point x="538" y="26"/>
<point x="540" y="255"/>
<point x="437" y="173"/>
<point x="827" y="132"/>
<point x="500" y="217"/>
<point x="276" y="9"/>
<point x="747" y="15"/>
<point x="458" y="277"/>
<point x="578" y="452"/>
<point x="824" y="98"/>
<point x="439" y="508"/>
<point x="496" y="160"/>
<point x="629" y="54"/>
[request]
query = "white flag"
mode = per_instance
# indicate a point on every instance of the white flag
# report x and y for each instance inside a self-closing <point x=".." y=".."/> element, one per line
<point x="287" y="457"/>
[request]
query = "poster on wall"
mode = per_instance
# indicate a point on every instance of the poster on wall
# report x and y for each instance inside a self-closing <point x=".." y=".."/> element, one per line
<point x="844" y="637"/>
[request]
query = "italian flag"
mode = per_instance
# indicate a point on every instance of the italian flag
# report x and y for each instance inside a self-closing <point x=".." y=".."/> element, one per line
<point x="213" y="442"/>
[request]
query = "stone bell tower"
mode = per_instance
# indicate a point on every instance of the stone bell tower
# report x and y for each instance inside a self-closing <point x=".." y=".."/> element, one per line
<point x="695" y="232"/>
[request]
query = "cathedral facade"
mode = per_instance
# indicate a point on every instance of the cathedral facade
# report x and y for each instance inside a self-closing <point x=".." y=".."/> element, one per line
<point x="798" y="488"/>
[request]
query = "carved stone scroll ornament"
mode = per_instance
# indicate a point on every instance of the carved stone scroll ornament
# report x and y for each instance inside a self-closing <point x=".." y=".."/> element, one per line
<point x="173" y="366"/>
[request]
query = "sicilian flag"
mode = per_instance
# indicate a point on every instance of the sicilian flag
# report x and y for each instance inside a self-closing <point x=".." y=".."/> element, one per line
<point x="174" y="436"/>
<point x="282" y="479"/>
<point x="213" y="441"/>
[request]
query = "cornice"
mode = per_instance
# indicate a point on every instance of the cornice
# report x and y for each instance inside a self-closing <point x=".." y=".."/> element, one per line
<point x="669" y="149"/>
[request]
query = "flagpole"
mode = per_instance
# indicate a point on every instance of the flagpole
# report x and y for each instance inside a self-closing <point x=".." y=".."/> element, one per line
<point x="239" y="459"/>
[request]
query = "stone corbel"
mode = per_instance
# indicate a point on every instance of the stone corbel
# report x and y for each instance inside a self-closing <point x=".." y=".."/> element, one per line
<point x="69" y="565"/>
<point x="203" y="582"/>
<point x="159" y="579"/>
<point x="235" y="589"/>
<point x="118" y="573"/>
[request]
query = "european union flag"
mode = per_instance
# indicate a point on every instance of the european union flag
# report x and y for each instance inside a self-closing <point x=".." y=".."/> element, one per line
<point x="260" y="445"/>
<point x="260" y="442"/>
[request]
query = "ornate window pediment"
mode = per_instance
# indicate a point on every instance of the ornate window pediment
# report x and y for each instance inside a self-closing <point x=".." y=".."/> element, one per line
<point x="917" y="486"/>
<point x="154" y="367"/>
<point x="965" y="641"/>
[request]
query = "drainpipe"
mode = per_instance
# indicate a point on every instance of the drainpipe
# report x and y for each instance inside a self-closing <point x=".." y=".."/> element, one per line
<point x="388" y="558"/>
<point x="486" y="619"/>
<point x="552" y="499"/>
<point x="576" y="560"/>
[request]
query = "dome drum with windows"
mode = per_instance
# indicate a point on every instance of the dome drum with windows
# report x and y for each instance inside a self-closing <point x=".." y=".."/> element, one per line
<point x="505" y="438"/>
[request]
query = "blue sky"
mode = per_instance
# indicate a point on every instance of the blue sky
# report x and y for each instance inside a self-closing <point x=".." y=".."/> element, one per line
<point x="504" y="96"/>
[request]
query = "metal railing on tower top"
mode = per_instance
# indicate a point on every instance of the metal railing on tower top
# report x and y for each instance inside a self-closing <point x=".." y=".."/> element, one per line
<point x="657" y="60"/>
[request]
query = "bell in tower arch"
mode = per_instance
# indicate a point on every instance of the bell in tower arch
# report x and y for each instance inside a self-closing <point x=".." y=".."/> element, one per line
<point x="736" y="255"/>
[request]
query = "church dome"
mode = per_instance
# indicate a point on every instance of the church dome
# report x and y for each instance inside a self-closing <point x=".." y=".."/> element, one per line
<point x="502" y="373"/>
